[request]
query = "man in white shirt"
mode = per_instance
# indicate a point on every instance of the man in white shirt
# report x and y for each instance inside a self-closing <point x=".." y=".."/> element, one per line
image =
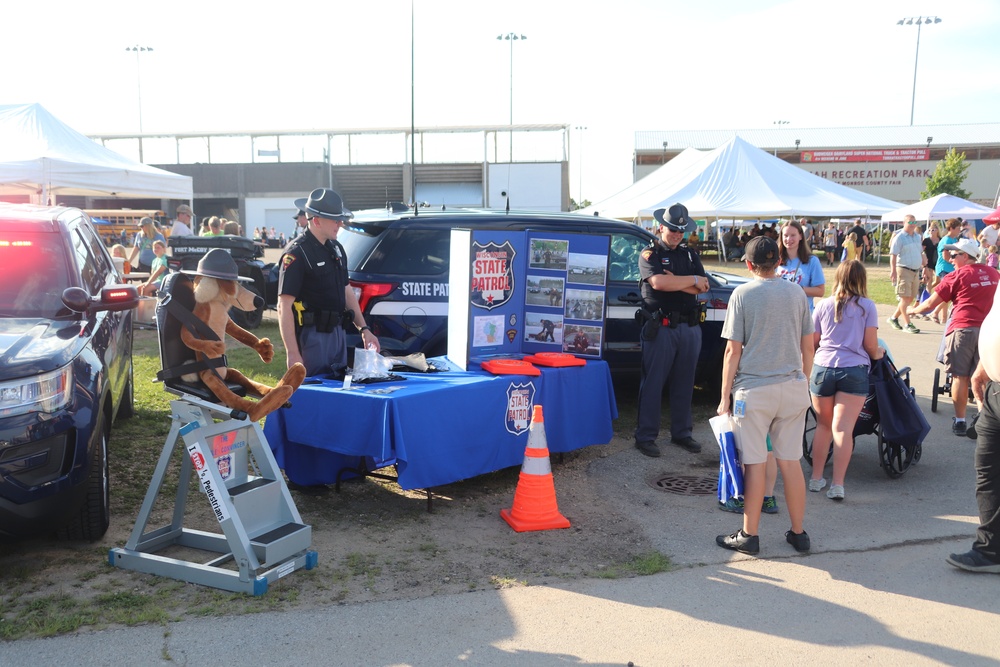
<point x="990" y="233"/>
<point x="182" y="224"/>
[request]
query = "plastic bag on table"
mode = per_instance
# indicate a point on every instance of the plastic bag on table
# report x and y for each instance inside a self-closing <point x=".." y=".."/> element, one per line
<point x="370" y="364"/>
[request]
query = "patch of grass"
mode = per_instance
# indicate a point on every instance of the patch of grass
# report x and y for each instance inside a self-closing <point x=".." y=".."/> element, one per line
<point x="500" y="583"/>
<point x="642" y="565"/>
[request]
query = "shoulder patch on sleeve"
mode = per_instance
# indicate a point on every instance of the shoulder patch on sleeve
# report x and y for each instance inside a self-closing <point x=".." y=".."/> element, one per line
<point x="647" y="253"/>
<point x="287" y="260"/>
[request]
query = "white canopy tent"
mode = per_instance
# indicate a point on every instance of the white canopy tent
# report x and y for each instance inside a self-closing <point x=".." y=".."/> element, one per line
<point x="42" y="157"/>
<point x="625" y="205"/>
<point x="939" y="207"/>
<point x="739" y="180"/>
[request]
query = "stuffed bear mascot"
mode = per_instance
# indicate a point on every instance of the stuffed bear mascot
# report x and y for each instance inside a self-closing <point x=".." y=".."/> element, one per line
<point x="217" y="288"/>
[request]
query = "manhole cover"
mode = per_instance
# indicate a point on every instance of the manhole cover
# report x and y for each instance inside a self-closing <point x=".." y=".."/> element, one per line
<point x="686" y="485"/>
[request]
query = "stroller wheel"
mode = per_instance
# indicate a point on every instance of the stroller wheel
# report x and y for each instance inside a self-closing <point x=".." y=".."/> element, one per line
<point x="807" y="438"/>
<point x="894" y="458"/>
<point x="934" y="393"/>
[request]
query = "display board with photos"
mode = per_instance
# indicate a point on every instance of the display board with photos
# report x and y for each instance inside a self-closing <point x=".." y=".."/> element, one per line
<point x="513" y="293"/>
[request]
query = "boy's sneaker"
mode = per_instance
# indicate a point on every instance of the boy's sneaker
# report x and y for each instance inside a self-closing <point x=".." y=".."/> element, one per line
<point x="770" y="505"/>
<point x="836" y="492"/>
<point x="734" y="505"/>
<point x="958" y="427"/>
<point x="798" y="540"/>
<point x="740" y="541"/>
<point x="817" y="484"/>
<point x="973" y="561"/>
<point x="894" y="323"/>
<point x="911" y="329"/>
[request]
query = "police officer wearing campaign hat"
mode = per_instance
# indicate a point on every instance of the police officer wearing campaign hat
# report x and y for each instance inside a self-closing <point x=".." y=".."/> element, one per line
<point x="671" y="277"/>
<point x="314" y="296"/>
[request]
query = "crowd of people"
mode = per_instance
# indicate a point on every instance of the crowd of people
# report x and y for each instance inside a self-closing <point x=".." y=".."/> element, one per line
<point x="785" y="353"/>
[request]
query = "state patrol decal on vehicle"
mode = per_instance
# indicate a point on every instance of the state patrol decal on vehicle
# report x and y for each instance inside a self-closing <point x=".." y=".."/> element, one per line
<point x="492" y="274"/>
<point x="520" y="402"/>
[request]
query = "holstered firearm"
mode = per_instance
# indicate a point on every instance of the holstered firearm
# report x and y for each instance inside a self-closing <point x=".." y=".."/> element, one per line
<point x="649" y="322"/>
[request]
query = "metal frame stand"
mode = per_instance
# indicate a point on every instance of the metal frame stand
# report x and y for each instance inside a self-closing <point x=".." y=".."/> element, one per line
<point x="262" y="532"/>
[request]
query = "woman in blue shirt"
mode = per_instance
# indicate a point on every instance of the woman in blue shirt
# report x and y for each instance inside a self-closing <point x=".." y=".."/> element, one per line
<point x="797" y="264"/>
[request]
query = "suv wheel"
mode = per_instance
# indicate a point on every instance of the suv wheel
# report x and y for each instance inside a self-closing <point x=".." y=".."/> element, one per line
<point x="94" y="516"/>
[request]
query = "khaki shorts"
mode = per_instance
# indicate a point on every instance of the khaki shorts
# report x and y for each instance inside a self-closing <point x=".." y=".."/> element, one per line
<point x="961" y="352"/>
<point x="907" y="283"/>
<point x="777" y="410"/>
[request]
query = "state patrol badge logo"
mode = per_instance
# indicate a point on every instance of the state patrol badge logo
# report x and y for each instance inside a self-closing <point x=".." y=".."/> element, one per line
<point x="492" y="282"/>
<point x="647" y="253"/>
<point x="287" y="260"/>
<point x="520" y="402"/>
<point x="511" y="334"/>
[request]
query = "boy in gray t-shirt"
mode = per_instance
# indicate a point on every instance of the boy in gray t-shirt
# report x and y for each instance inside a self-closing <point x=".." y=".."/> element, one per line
<point x="765" y="389"/>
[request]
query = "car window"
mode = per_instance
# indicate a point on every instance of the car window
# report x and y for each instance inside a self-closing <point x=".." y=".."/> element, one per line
<point x="358" y="246"/>
<point x="412" y="252"/>
<point x="86" y="263"/>
<point x="99" y="252"/>
<point x="625" y="249"/>
<point x="34" y="269"/>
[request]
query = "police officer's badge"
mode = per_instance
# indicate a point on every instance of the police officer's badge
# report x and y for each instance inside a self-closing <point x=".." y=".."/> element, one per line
<point x="287" y="260"/>
<point x="492" y="275"/>
<point x="647" y="253"/>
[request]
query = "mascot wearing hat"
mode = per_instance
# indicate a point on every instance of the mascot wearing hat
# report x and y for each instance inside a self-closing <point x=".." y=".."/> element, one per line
<point x="217" y="288"/>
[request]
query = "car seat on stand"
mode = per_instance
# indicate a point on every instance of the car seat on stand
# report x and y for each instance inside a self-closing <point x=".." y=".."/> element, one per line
<point x="263" y="537"/>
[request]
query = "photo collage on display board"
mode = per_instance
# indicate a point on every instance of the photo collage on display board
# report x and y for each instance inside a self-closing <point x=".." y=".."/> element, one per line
<point x="564" y="298"/>
<point x="521" y="292"/>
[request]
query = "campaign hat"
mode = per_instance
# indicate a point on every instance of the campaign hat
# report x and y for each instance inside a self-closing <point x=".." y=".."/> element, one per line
<point x="218" y="263"/>
<point x="325" y="203"/>
<point x="675" y="218"/>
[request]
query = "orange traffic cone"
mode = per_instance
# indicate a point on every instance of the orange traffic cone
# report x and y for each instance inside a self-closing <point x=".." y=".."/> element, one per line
<point x="535" y="497"/>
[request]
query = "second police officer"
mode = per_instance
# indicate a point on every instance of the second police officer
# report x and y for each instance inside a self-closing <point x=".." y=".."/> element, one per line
<point x="671" y="276"/>
<point x="314" y="296"/>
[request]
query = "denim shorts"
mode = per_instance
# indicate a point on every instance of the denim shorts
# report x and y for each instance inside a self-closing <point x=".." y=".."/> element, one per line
<point x="828" y="381"/>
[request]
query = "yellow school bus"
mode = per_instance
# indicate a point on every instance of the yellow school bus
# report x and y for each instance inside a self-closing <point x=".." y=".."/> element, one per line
<point x="111" y="222"/>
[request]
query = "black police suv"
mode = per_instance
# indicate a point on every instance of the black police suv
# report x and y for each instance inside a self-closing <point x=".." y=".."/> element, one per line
<point x="398" y="264"/>
<point x="65" y="371"/>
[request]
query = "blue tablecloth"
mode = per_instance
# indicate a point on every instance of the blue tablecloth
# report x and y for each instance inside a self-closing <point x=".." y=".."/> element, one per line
<point x="439" y="428"/>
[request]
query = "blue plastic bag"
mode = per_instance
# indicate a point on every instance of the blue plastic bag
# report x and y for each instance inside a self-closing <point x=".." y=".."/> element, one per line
<point x="730" y="470"/>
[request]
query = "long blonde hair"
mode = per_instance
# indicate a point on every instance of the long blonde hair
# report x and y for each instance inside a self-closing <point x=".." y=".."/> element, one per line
<point x="849" y="283"/>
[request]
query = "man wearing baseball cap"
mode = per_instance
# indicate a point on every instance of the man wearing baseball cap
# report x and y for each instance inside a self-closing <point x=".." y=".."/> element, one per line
<point x="183" y="221"/>
<point x="670" y="276"/>
<point x="314" y="295"/>
<point x="768" y="358"/>
<point x="970" y="288"/>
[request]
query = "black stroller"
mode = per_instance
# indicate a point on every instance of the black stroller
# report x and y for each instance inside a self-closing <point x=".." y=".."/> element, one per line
<point x="891" y="412"/>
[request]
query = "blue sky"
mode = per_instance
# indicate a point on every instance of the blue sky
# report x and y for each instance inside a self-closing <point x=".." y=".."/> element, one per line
<point x="612" y="67"/>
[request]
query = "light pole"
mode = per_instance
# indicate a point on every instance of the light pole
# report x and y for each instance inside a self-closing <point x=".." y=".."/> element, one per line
<point x="138" y="76"/>
<point x="919" y="20"/>
<point x="581" y="128"/>
<point x="512" y="37"/>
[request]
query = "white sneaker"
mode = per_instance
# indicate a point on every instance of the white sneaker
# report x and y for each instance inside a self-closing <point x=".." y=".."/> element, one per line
<point x="836" y="492"/>
<point x="817" y="484"/>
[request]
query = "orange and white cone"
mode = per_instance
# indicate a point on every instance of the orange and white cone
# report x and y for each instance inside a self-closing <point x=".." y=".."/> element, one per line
<point x="535" y="505"/>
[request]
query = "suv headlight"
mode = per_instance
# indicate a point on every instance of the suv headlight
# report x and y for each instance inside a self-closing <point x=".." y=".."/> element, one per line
<point x="42" y="393"/>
